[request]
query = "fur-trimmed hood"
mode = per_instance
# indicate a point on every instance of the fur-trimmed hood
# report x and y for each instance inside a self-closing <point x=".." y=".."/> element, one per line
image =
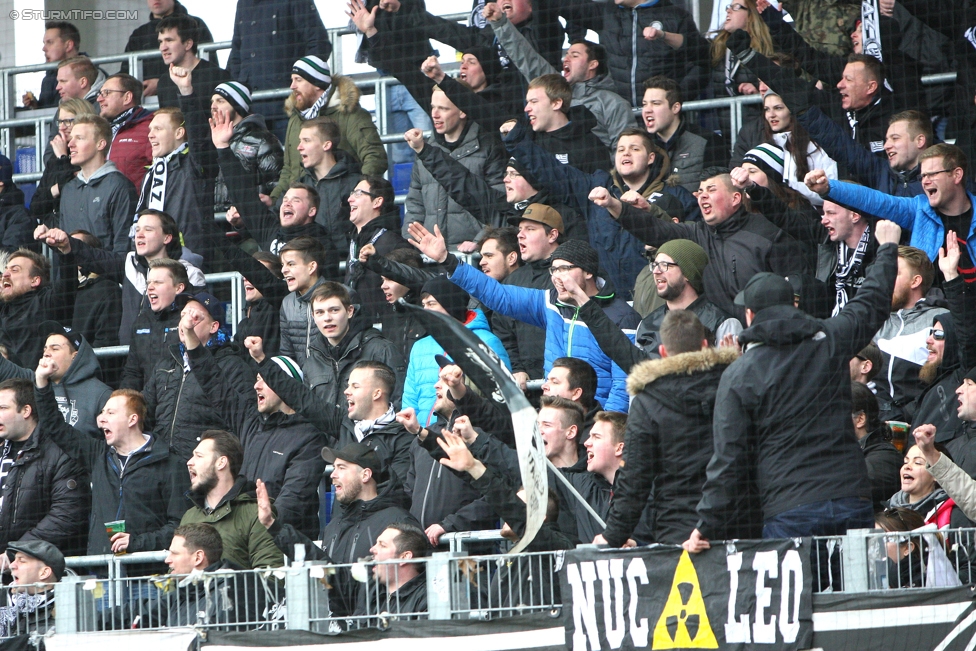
<point x="700" y="361"/>
<point x="343" y="94"/>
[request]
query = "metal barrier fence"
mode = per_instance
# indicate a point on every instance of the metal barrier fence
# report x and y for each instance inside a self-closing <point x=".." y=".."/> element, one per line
<point x="309" y="595"/>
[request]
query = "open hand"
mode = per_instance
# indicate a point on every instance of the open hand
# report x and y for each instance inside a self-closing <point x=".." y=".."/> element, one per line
<point x="265" y="514"/>
<point x="949" y="256"/>
<point x="430" y="244"/>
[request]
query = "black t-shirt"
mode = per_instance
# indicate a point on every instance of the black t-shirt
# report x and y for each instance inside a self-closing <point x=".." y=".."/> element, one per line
<point x="961" y="224"/>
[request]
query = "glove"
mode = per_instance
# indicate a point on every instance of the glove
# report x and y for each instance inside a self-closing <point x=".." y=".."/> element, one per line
<point x="739" y="44"/>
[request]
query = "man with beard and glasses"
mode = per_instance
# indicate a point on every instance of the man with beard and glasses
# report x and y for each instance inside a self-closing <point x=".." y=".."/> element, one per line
<point x="223" y="498"/>
<point x="677" y="270"/>
<point x="902" y="337"/>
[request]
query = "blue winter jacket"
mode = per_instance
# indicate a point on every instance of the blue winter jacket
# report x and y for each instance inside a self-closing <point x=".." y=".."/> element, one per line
<point x="566" y="334"/>
<point x="422" y="370"/>
<point x="911" y="213"/>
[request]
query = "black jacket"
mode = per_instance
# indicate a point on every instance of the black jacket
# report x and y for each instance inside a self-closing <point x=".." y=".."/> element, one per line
<point x="98" y="311"/>
<point x="632" y="59"/>
<point x="259" y="154"/>
<point x="179" y="409"/>
<point x="46" y="495"/>
<point x="439" y="495"/>
<point x="384" y="234"/>
<point x="19" y="318"/>
<point x="937" y="404"/>
<point x="738" y="248"/>
<point x="328" y="367"/>
<point x="146" y="489"/>
<point x="347" y="538"/>
<point x="884" y="464"/>
<point x="783" y="408"/>
<point x="410" y="599"/>
<point x="283" y="450"/>
<point x="574" y="144"/>
<point x="334" y="189"/>
<point x="391" y="442"/>
<point x="44" y="206"/>
<point x="16" y="226"/>
<point x="152" y="334"/>
<point x="668" y="444"/>
<point x="144" y="37"/>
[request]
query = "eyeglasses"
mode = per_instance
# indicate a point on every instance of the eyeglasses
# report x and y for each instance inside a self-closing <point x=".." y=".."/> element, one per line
<point x="663" y="267"/>
<point x="736" y="7"/>
<point x="562" y="269"/>
<point x="938" y="335"/>
<point x="928" y="175"/>
<point x="105" y="92"/>
<point x="512" y="175"/>
<point x="357" y="193"/>
<point x="65" y="123"/>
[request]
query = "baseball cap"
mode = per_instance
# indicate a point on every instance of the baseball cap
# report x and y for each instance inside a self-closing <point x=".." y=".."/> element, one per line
<point x="212" y="304"/>
<point x="357" y="453"/>
<point x="42" y="551"/>
<point x="49" y="328"/>
<point x="541" y="213"/>
<point x="763" y="290"/>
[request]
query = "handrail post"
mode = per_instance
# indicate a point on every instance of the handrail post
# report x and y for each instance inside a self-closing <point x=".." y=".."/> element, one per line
<point x="299" y="608"/>
<point x="439" y="585"/>
<point x="854" y="557"/>
<point x="66" y="597"/>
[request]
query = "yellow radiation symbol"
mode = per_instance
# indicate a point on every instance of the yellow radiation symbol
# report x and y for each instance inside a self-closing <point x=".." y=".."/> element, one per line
<point x="684" y="622"/>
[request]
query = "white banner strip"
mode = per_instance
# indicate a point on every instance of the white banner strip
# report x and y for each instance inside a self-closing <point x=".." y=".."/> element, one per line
<point x="849" y="620"/>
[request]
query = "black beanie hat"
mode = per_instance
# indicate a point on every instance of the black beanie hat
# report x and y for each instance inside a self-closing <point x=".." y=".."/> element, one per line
<point x="579" y="253"/>
<point x="488" y="58"/>
<point x="451" y="297"/>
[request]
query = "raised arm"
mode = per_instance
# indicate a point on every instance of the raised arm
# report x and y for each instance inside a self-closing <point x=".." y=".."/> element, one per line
<point x="525" y="57"/>
<point x="862" y="166"/>
<point x="473" y="191"/>
<point x="900" y="210"/>
<point x="77" y="445"/>
<point x="232" y="405"/>
<point x="325" y="417"/>
<point x="961" y="297"/>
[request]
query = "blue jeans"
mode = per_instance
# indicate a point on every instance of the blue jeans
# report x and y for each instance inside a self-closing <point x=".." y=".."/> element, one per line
<point x="827" y="518"/>
<point x="403" y="114"/>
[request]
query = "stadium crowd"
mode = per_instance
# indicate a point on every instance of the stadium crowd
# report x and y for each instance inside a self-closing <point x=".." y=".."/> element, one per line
<point x="725" y="335"/>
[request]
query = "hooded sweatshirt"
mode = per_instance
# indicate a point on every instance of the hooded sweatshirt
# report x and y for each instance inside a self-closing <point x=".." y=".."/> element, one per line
<point x="102" y="204"/>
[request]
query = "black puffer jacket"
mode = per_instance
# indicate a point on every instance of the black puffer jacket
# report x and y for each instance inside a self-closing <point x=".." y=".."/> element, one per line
<point x="668" y="444"/>
<point x="793" y="428"/>
<point x="146" y="489"/>
<point x="328" y="367"/>
<point x="632" y="58"/>
<point x="259" y="154"/>
<point x="46" y="496"/>
<point x="574" y="143"/>
<point x="98" y="311"/>
<point x="738" y="248"/>
<point x="152" y="334"/>
<point x="178" y="408"/>
<point x="283" y="450"/>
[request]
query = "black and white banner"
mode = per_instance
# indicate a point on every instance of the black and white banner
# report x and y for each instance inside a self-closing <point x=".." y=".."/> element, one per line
<point x="743" y="595"/>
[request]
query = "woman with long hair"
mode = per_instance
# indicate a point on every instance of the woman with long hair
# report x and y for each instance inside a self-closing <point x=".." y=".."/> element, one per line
<point x="803" y="154"/>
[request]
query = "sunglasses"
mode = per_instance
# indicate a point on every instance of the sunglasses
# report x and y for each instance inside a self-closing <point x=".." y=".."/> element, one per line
<point x="938" y="335"/>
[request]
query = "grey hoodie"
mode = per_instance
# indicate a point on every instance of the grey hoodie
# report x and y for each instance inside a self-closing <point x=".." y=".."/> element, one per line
<point x="613" y="113"/>
<point x="80" y="394"/>
<point x="103" y="205"/>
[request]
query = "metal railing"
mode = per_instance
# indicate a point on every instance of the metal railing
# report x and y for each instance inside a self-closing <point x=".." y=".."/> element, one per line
<point x="315" y="596"/>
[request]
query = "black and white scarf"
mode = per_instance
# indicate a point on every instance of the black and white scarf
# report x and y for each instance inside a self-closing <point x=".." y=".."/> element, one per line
<point x="871" y="29"/>
<point x="155" y="183"/>
<point x="23" y="604"/>
<point x="849" y="268"/>
<point x="312" y="111"/>
<point x="364" y="428"/>
<point x="120" y="119"/>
